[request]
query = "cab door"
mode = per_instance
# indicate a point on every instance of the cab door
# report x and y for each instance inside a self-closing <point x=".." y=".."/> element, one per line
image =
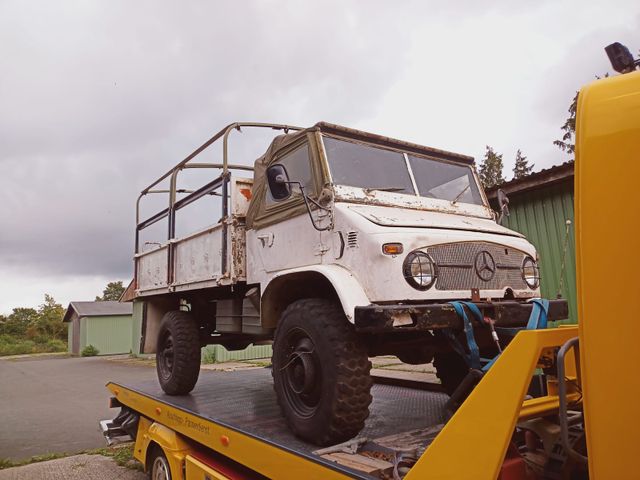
<point x="288" y="240"/>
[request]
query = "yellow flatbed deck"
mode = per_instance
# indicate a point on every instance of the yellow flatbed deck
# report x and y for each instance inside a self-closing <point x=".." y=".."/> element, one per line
<point x="236" y="414"/>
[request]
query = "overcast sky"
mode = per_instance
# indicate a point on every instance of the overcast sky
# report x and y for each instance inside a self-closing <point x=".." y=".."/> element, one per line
<point x="99" y="98"/>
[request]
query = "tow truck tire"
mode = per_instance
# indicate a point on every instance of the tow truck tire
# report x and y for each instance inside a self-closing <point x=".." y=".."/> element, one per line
<point x="451" y="369"/>
<point x="178" y="353"/>
<point x="157" y="465"/>
<point x="320" y="372"/>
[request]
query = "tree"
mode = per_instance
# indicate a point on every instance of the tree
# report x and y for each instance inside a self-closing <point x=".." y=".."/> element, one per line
<point x="43" y="323"/>
<point x="522" y="167"/>
<point x="113" y="291"/>
<point x="49" y="320"/>
<point x="491" y="168"/>
<point x="18" y="321"/>
<point x="567" y="144"/>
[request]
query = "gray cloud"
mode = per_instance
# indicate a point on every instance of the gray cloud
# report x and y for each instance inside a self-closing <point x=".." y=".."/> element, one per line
<point x="99" y="98"/>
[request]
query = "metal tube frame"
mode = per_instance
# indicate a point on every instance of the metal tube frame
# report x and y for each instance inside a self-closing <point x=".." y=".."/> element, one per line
<point x="562" y="397"/>
<point x="220" y="182"/>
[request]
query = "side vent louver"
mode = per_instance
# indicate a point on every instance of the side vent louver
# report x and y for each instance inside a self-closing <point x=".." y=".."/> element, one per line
<point x="352" y="239"/>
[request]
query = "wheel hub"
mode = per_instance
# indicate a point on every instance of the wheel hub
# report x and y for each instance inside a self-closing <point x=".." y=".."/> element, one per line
<point x="166" y="355"/>
<point x="160" y="469"/>
<point x="303" y="372"/>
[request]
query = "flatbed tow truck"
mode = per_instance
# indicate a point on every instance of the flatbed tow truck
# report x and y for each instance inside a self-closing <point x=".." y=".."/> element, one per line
<point x="582" y="425"/>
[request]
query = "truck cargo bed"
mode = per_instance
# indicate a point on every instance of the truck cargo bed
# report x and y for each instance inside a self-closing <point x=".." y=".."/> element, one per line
<point x="244" y="402"/>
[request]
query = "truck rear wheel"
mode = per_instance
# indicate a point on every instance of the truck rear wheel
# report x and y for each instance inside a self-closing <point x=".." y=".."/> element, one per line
<point x="320" y="372"/>
<point x="178" y="353"/>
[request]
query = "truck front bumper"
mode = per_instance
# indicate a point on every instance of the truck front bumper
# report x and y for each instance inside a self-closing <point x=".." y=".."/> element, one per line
<point x="396" y="318"/>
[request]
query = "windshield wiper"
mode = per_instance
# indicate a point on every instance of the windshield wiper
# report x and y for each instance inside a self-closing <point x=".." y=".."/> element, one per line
<point x="453" y="202"/>
<point x="384" y="189"/>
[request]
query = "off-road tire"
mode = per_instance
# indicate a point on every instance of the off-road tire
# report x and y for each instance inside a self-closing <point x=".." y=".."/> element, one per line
<point x="451" y="369"/>
<point x="178" y="375"/>
<point x="340" y="380"/>
<point x="416" y="356"/>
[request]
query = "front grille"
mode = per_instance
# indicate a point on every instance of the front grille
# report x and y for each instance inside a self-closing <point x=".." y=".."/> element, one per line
<point x="456" y="264"/>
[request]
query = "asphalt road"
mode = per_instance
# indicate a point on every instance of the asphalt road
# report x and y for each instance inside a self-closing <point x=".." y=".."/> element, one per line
<point x="53" y="404"/>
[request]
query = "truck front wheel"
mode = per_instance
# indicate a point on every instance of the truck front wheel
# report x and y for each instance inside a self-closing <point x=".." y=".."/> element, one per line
<point x="451" y="369"/>
<point x="320" y="372"/>
<point x="178" y="353"/>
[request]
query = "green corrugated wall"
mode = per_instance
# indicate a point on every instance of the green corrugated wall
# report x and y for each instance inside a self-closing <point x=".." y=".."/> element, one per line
<point x="109" y="334"/>
<point x="136" y="327"/>
<point x="541" y="215"/>
<point x="83" y="333"/>
<point x="217" y="353"/>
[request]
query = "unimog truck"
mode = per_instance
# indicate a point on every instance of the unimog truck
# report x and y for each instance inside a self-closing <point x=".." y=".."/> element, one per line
<point x="338" y="245"/>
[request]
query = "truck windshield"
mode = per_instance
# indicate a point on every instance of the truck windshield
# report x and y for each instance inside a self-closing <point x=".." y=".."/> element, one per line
<point x="370" y="167"/>
<point x="365" y="166"/>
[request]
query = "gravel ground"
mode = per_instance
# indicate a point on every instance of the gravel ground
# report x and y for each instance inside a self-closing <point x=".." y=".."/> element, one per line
<point x="77" y="467"/>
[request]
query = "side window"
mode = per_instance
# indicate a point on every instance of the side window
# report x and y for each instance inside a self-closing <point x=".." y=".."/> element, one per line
<point x="298" y="169"/>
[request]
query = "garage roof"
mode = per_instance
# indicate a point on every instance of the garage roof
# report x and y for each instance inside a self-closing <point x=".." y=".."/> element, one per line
<point x="97" y="309"/>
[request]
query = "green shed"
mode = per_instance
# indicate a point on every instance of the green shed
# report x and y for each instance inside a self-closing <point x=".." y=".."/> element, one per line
<point x="541" y="208"/>
<point x="105" y="325"/>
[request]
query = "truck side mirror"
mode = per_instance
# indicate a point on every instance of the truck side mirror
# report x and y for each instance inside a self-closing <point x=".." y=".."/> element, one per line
<point x="278" y="182"/>
<point x="503" y="203"/>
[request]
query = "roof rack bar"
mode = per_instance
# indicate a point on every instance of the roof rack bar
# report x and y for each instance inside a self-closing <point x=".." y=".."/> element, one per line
<point x="222" y="133"/>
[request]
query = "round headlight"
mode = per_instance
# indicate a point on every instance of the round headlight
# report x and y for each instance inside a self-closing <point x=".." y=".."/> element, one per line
<point x="419" y="270"/>
<point x="531" y="273"/>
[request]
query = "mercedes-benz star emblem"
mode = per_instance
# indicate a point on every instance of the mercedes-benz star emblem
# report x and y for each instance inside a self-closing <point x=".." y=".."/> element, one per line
<point x="485" y="265"/>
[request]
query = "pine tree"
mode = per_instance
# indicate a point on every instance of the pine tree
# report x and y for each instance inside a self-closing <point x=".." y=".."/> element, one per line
<point x="522" y="167"/>
<point x="567" y="144"/>
<point x="491" y="169"/>
<point x="113" y="291"/>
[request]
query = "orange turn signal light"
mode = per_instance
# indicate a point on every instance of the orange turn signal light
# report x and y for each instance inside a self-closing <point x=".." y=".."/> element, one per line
<point x="392" y="248"/>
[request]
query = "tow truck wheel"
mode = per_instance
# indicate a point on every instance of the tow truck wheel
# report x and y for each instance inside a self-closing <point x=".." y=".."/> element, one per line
<point x="451" y="369"/>
<point x="320" y="372"/>
<point x="178" y="353"/>
<point x="159" y="468"/>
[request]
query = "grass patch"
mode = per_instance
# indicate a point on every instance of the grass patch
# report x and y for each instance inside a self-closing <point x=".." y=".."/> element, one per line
<point x="7" y="463"/>
<point x="11" y="345"/>
<point x="122" y="455"/>
<point x="259" y="363"/>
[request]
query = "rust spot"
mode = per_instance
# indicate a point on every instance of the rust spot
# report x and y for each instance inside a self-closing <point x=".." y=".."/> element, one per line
<point x="246" y="193"/>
